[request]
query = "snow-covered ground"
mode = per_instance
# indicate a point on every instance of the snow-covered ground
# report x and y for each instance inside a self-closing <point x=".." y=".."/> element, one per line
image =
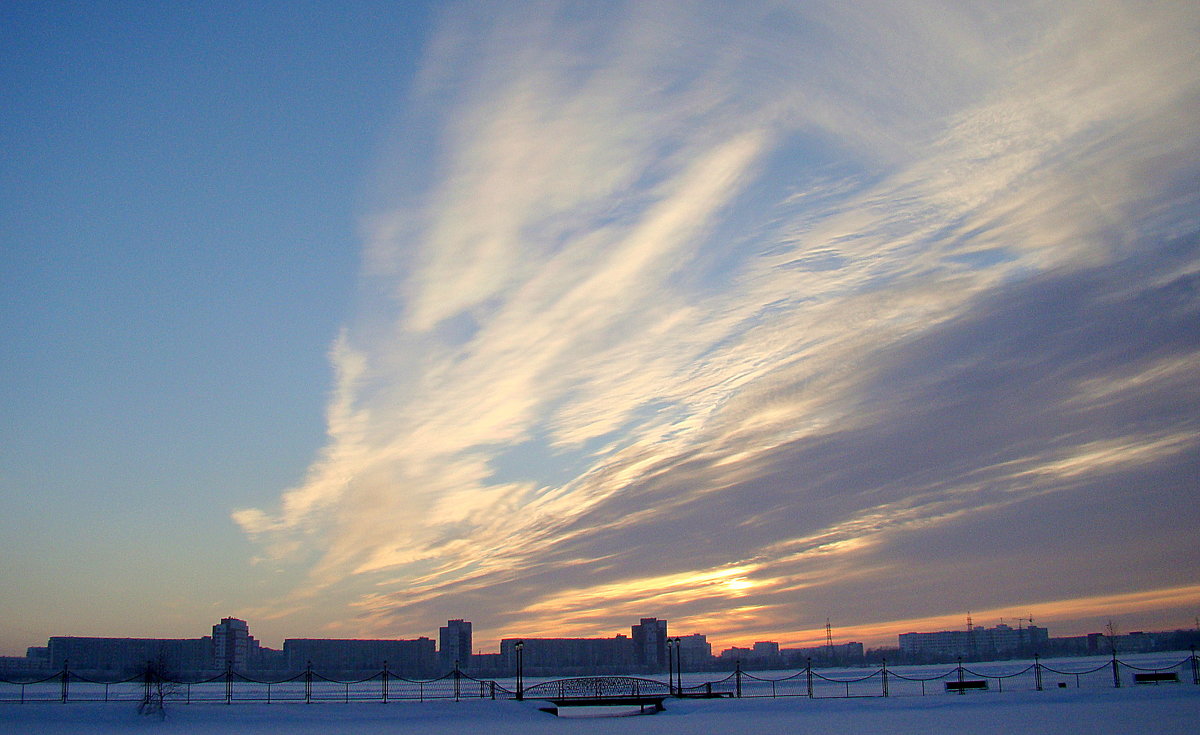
<point x="1089" y="704"/>
<point x="1166" y="709"/>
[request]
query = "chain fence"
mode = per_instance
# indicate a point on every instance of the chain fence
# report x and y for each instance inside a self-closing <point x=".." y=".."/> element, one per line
<point x="309" y="686"/>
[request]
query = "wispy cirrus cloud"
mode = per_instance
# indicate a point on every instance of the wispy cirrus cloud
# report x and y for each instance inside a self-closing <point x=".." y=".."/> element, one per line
<point x="701" y="310"/>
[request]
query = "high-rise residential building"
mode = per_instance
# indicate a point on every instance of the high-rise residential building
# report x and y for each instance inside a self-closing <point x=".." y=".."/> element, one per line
<point x="454" y="644"/>
<point x="231" y="643"/>
<point x="650" y="643"/>
<point x="694" y="651"/>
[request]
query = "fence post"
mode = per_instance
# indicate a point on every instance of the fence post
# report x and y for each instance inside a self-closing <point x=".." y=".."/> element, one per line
<point x="1116" y="671"/>
<point x="808" y="675"/>
<point x="66" y="677"/>
<point x="737" y="672"/>
<point x="147" y="695"/>
<point x="457" y="680"/>
<point x="385" y="682"/>
<point x="1037" y="672"/>
<point x="1195" y="668"/>
<point x="308" y="683"/>
<point x="961" y="690"/>
<point x="885" y="680"/>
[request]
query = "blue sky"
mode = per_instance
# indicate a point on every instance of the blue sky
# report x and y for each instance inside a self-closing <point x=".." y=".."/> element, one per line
<point x="348" y="319"/>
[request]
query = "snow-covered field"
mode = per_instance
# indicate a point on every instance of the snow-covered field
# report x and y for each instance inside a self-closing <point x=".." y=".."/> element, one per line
<point x="1089" y="704"/>
<point x="1166" y="709"/>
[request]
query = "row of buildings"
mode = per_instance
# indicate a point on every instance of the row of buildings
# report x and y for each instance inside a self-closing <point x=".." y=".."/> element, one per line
<point x="644" y="650"/>
<point x="974" y="643"/>
<point x="231" y="646"/>
<point x="1005" y="642"/>
<point x="647" y="649"/>
<point x="768" y="655"/>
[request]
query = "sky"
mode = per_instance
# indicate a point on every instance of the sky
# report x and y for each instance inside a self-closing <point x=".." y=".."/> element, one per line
<point x="350" y="318"/>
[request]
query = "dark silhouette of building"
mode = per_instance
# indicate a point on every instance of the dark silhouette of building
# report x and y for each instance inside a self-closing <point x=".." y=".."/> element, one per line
<point x="977" y="643"/>
<point x="334" y="656"/>
<point x="551" y="656"/>
<point x="130" y="655"/>
<point x="841" y="654"/>
<point x="650" y="644"/>
<point x="695" y="652"/>
<point x="231" y="643"/>
<point x="454" y="644"/>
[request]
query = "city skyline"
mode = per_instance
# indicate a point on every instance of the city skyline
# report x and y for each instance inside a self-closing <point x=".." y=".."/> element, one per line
<point x="345" y="319"/>
<point x="456" y="635"/>
<point x="649" y="647"/>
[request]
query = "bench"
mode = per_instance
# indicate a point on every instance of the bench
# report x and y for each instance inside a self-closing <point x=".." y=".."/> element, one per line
<point x="1155" y="677"/>
<point x="969" y="685"/>
<point x="655" y="703"/>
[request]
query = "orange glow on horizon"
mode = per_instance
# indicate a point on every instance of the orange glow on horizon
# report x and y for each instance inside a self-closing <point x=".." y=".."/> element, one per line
<point x="743" y="625"/>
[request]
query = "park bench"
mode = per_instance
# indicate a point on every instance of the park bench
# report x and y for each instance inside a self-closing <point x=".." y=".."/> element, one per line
<point x="644" y="703"/>
<point x="968" y="685"/>
<point x="1155" y="677"/>
<point x="619" y="694"/>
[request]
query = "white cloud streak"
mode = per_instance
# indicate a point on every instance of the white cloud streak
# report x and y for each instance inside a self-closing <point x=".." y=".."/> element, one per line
<point x="681" y="233"/>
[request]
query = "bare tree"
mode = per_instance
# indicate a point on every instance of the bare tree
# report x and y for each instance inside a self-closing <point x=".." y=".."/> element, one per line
<point x="159" y="684"/>
<point x="1113" y="631"/>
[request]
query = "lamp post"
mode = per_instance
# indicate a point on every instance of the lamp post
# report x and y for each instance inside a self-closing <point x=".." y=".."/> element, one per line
<point x="678" y="662"/>
<point x="670" y="665"/>
<point x="520" y="648"/>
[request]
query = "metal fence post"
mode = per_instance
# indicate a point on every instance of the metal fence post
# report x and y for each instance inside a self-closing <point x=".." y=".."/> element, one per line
<point x="961" y="689"/>
<point x="384" y="686"/>
<point x="308" y="683"/>
<point x="228" y="682"/>
<point x="1116" y="671"/>
<point x="1195" y="668"/>
<point x="147" y="695"/>
<point x="737" y="673"/>
<point x="66" y="677"/>
<point x="1037" y="672"/>
<point x="808" y="675"/>
<point x="885" y="679"/>
<point x="457" y="681"/>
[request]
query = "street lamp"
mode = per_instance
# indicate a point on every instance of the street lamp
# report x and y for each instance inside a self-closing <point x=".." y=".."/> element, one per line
<point x="670" y="664"/>
<point x="520" y="648"/>
<point x="678" y="662"/>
